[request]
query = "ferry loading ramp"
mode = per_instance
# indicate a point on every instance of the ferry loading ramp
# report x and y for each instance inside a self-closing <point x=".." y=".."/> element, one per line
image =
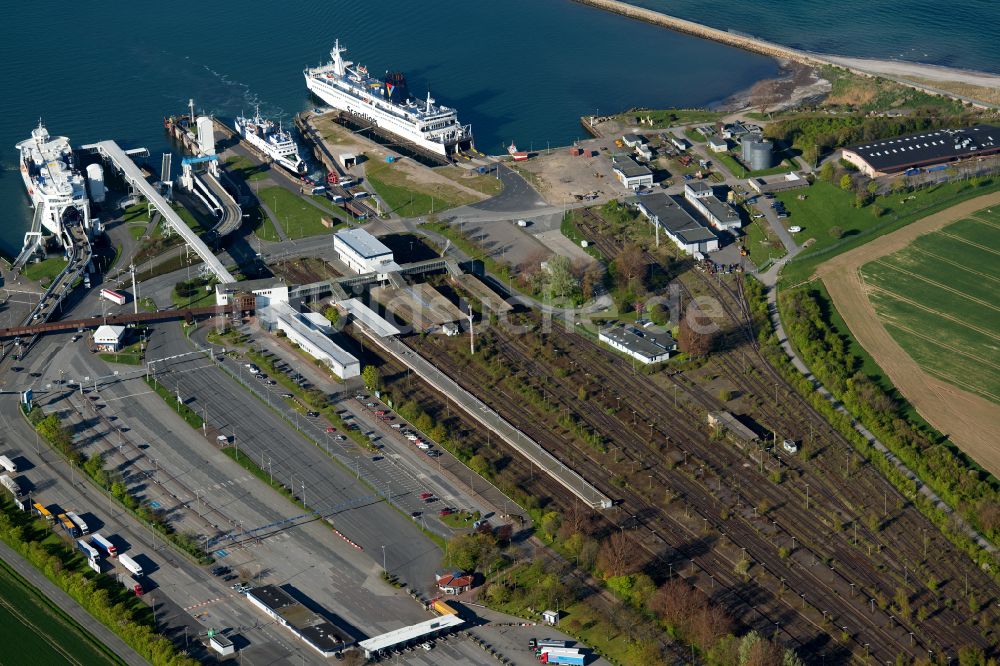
<point x="112" y="151"/>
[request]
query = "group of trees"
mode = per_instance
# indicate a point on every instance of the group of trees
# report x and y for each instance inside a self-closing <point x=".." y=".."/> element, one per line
<point x="939" y="464"/>
<point x="109" y="602"/>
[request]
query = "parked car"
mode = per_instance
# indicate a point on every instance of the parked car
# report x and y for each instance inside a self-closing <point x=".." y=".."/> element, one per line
<point x="340" y="438"/>
<point x="312" y="414"/>
<point x="794" y="229"/>
<point x="445" y="512"/>
<point x="287" y="395"/>
<point x="331" y="429"/>
<point x="424" y="496"/>
<point x="396" y="425"/>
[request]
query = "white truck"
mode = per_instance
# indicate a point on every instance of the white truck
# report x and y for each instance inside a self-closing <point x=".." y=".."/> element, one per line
<point x="78" y="521"/>
<point x="130" y="564"/>
<point x="10" y="485"/>
<point x="8" y="464"/>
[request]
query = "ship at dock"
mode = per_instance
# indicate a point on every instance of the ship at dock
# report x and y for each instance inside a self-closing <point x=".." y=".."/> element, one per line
<point x="271" y="140"/>
<point x="387" y="106"/>
<point x="55" y="185"/>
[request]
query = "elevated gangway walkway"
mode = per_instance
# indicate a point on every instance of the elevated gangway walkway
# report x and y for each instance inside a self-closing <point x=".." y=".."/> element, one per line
<point x="32" y="240"/>
<point x="112" y="151"/>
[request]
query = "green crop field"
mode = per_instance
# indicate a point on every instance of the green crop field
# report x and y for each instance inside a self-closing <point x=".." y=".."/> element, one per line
<point x="35" y="631"/>
<point x="937" y="298"/>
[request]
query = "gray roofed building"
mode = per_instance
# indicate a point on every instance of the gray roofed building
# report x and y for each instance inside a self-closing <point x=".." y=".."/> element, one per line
<point x="645" y="345"/>
<point x="630" y="173"/>
<point x="888" y="156"/>
<point x="318" y="633"/>
<point x="685" y="231"/>
<point x="718" y="213"/>
<point x="633" y="140"/>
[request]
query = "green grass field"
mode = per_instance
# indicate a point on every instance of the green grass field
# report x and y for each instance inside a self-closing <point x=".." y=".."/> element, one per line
<point x="827" y="206"/>
<point x="45" y="270"/>
<point x="35" y="631"/>
<point x="737" y="169"/>
<point x="937" y="298"/>
<point x="761" y="242"/>
<point x="296" y="216"/>
<point x="407" y="198"/>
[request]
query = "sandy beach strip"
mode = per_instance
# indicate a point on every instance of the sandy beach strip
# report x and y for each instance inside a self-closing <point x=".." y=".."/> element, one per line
<point x="908" y="73"/>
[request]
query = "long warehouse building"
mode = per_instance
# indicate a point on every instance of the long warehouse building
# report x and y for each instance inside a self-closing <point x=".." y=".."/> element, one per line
<point x="926" y="149"/>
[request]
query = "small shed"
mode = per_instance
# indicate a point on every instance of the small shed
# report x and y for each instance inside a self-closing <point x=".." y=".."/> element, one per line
<point x="221" y="644"/>
<point x="109" y="338"/>
<point x="550" y="617"/>
<point x="453" y="582"/>
<point x="348" y="160"/>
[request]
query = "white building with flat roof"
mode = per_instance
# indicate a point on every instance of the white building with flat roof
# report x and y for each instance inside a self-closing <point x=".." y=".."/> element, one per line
<point x="265" y="291"/>
<point x="308" y="335"/>
<point x="630" y="173"/>
<point x="363" y="253"/>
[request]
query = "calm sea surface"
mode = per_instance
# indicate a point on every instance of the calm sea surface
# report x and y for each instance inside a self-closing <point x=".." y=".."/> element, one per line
<point x="954" y="34"/>
<point x="520" y="70"/>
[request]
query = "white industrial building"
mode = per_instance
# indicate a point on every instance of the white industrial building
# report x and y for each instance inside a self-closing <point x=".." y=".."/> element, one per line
<point x="266" y="291"/>
<point x="644" y="345"/>
<point x="687" y="233"/>
<point x="718" y="213"/>
<point x="301" y="330"/>
<point x="717" y="144"/>
<point x="630" y="173"/>
<point x="109" y="338"/>
<point x="363" y="253"/>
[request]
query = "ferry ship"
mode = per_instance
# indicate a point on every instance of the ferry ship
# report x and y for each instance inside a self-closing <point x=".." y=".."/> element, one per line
<point x="57" y="188"/>
<point x="386" y="104"/>
<point x="274" y="142"/>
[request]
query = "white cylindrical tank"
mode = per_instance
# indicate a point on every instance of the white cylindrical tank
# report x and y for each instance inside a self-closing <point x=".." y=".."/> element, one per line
<point x="206" y="135"/>
<point x="95" y="182"/>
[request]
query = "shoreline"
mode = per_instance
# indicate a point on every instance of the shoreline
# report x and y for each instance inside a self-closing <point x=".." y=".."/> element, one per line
<point x="910" y="74"/>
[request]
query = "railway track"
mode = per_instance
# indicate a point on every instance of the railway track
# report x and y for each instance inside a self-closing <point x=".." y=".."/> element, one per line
<point x="680" y="538"/>
<point x="846" y="555"/>
<point x="911" y="532"/>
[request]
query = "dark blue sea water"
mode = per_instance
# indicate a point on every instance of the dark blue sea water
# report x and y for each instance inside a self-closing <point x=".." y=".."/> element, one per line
<point x="939" y="32"/>
<point x="521" y="70"/>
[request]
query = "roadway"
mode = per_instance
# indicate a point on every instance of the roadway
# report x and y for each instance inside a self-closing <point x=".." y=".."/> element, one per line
<point x="297" y="462"/>
<point x="164" y="452"/>
<point x="232" y="214"/>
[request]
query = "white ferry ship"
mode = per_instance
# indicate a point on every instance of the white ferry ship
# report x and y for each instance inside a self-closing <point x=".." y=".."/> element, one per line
<point x="57" y="189"/>
<point x="272" y="141"/>
<point x="387" y="105"/>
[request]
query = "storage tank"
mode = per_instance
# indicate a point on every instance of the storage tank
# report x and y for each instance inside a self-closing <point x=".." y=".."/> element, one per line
<point x="206" y="135"/>
<point x="748" y="141"/>
<point x="760" y="155"/>
<point x="95" y="182"/>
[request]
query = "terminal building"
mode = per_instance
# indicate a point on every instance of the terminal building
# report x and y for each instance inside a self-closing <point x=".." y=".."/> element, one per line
<point x="264" y="291"/>
<point x="309" y="627"/>
<point x="630" y="173"/>
<point x="924" y="150"/>
<point x="363" y="253"/>
<point x="719" y="214"/>
<point x="642" y="344"/>
<point x="687" y="233"/>
<point x="311" y="337"/>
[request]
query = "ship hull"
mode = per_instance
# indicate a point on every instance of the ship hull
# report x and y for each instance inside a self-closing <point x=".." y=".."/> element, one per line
<point x="382" y="121"/>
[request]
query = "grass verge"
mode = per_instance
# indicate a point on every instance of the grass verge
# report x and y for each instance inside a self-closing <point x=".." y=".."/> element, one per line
<point x="297" y="218"/>
<point x="46" y="270"/>
<point x="191" y="417"/>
